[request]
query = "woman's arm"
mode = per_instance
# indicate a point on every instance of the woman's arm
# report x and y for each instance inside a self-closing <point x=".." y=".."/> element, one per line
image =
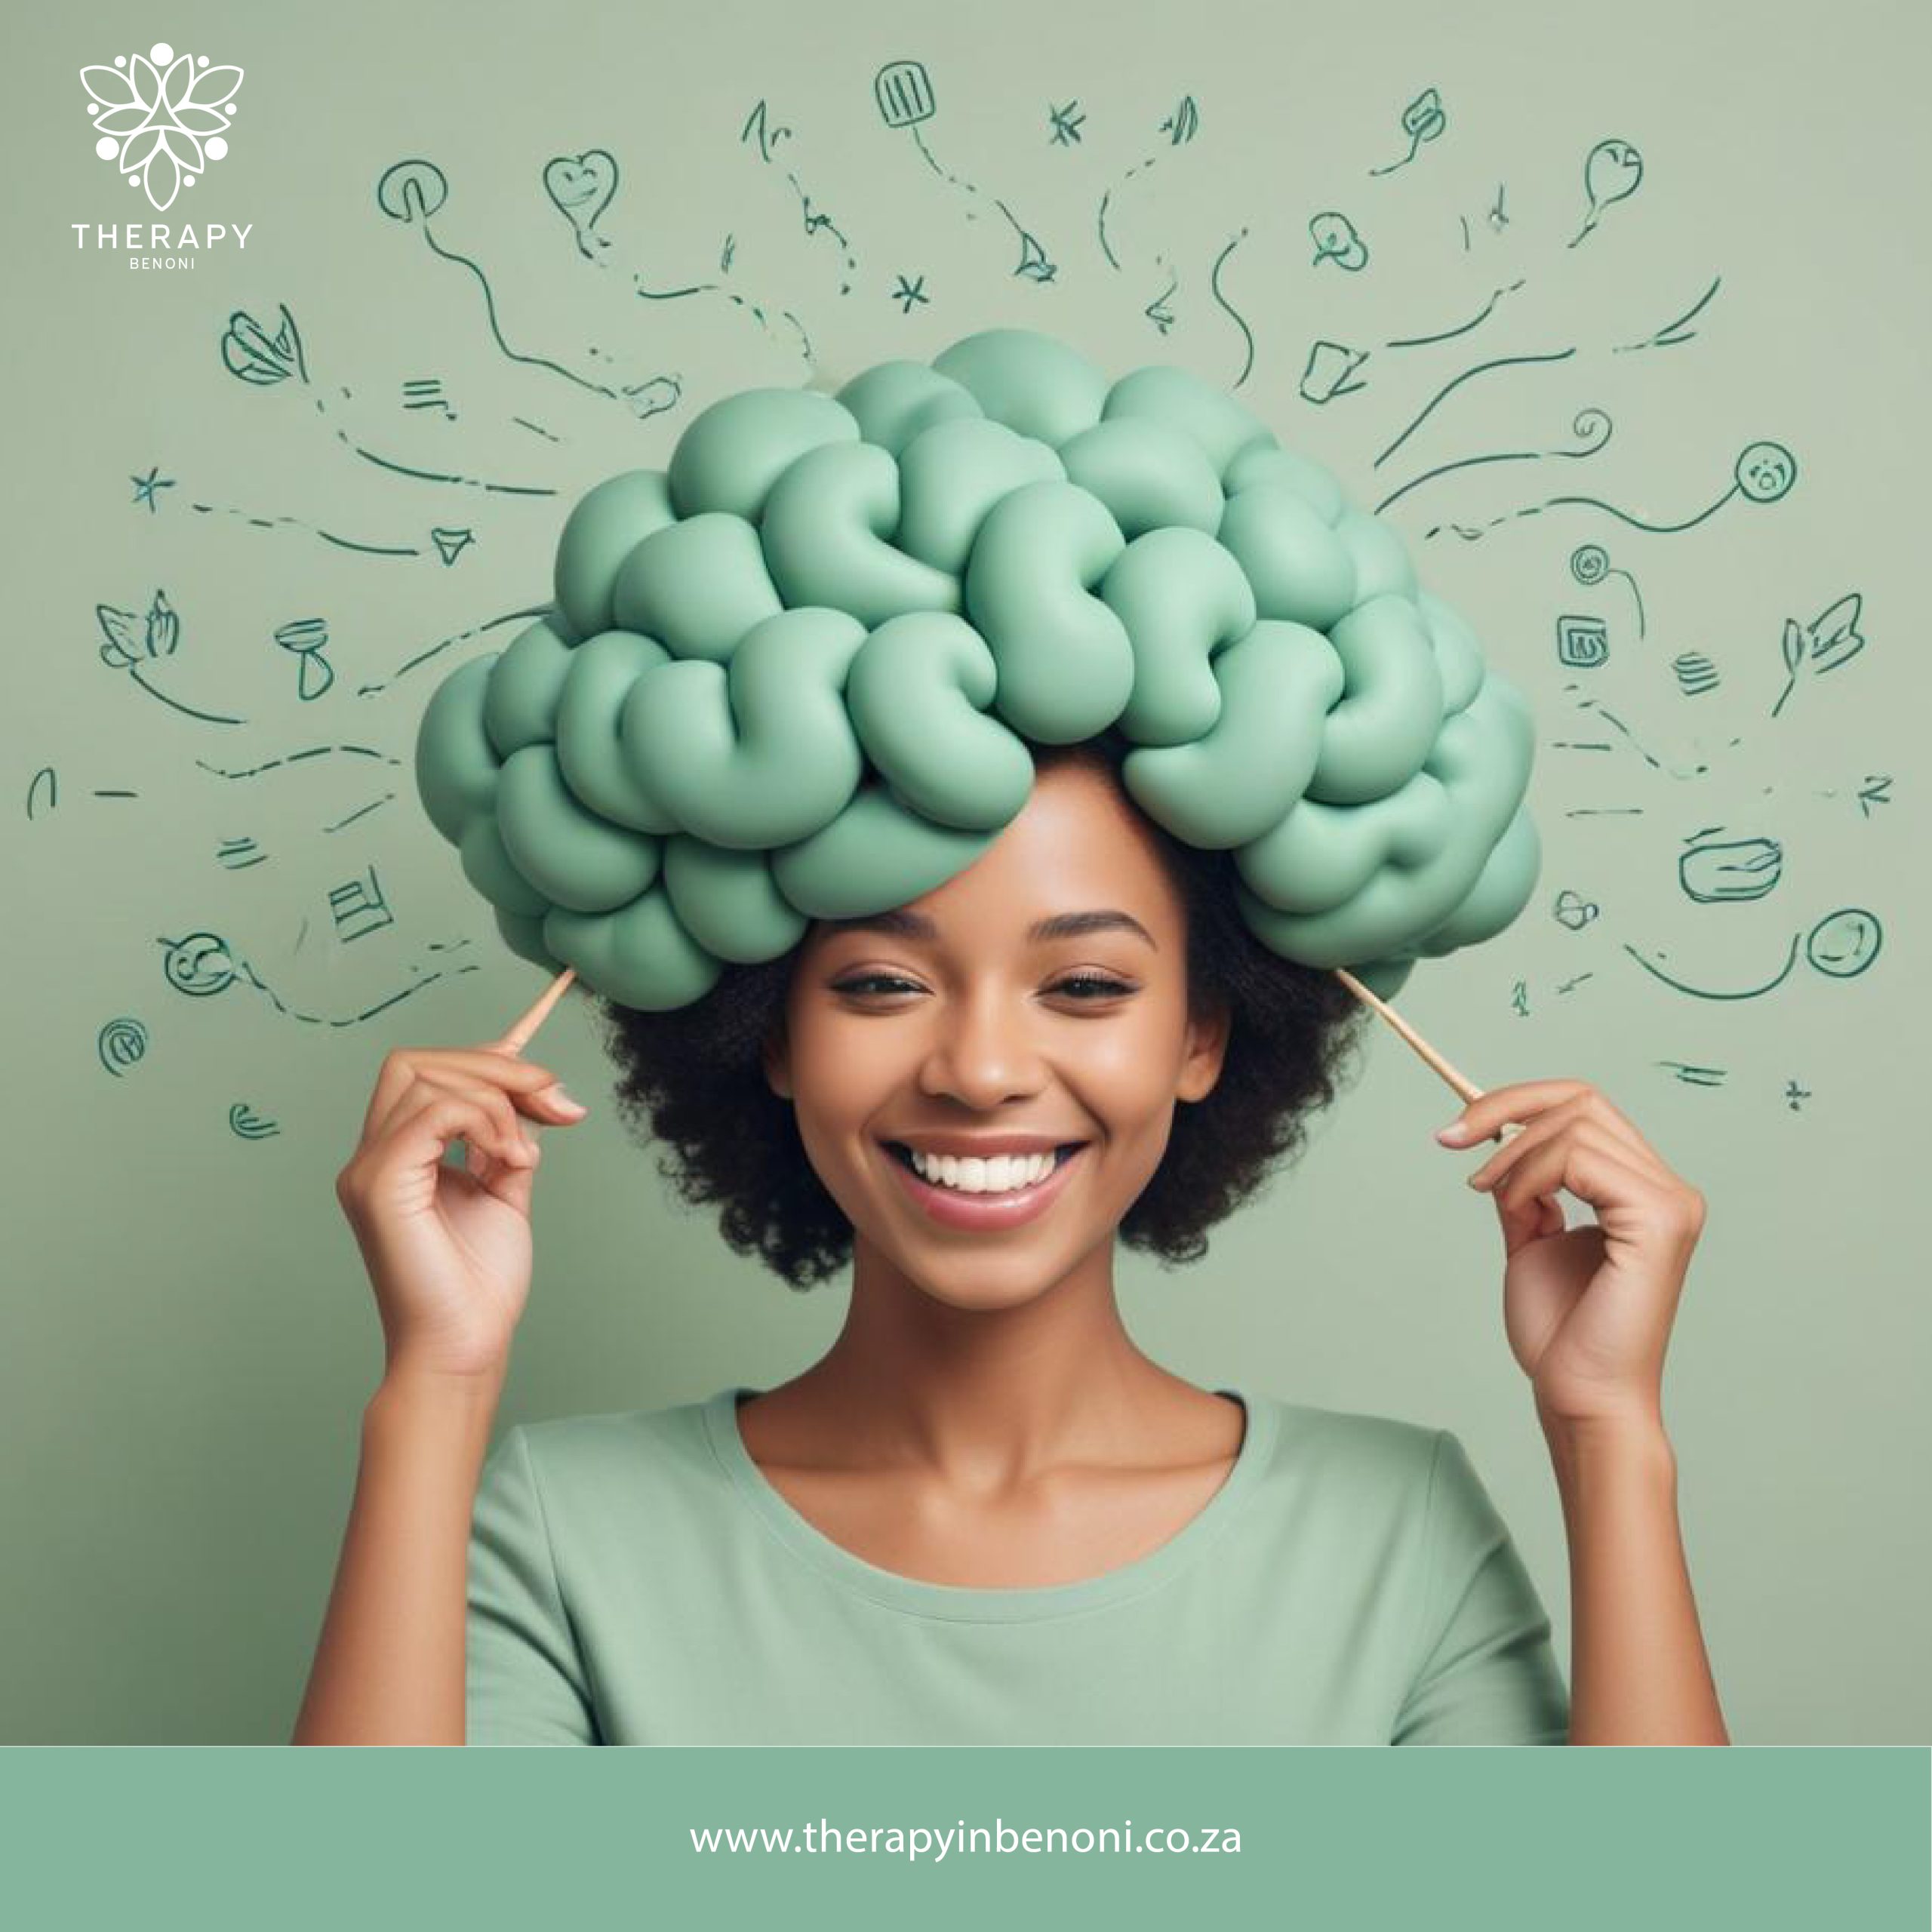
<point x="389" y="1669"/>
<point x="1588" y="1311"/>
<point x="1638" y="1671"/>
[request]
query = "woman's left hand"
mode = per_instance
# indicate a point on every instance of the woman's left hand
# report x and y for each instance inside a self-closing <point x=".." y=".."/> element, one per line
<point x="1588" y="1309"/>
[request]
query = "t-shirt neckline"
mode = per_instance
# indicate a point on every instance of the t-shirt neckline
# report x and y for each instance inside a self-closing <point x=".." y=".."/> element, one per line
<point x="971" y="1603"/>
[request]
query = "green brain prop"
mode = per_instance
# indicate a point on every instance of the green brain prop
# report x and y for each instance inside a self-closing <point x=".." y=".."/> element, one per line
<point x="796" y="675"/>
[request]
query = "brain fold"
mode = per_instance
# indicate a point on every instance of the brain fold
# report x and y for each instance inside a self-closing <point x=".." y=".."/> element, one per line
<point x="798" y="674"/>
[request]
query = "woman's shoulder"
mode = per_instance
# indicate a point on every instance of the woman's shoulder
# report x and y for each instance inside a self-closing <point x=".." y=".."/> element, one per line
<point x="667" y="1443"/>
<point x="1315" y="1440"/>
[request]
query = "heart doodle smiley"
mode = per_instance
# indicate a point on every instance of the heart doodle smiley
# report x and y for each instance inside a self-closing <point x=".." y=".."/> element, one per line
<point x="581" y="187"/>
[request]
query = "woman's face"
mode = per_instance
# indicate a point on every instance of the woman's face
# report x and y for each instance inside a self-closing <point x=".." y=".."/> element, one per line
<point x="951" y="1021"/>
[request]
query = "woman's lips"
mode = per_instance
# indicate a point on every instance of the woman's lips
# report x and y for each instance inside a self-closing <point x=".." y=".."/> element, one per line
<point x="985" y="1214"/>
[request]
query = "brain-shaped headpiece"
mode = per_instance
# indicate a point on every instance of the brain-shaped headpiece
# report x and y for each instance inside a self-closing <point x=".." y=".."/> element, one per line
<point x="795" y="675"/>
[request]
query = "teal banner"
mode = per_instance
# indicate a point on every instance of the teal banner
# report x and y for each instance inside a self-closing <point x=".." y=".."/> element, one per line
<point x="1764" y="1838"/>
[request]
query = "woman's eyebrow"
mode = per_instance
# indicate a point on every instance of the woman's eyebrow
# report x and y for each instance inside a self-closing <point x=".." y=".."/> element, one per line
<point x="905" y="924"/>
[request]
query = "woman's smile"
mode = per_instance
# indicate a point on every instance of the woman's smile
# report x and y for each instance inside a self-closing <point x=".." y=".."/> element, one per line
<point x="986" y="1210"/>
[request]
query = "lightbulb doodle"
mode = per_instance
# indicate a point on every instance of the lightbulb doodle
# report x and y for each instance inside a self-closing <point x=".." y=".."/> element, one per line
<point x="306" y="638"/>
<point x="1611" y="172"/>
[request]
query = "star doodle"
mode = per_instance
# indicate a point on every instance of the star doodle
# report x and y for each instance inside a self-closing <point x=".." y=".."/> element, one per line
<point x="146" y="486"/>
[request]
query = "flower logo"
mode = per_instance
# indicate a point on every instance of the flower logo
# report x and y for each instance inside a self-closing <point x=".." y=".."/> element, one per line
<point x="145" y="104"/>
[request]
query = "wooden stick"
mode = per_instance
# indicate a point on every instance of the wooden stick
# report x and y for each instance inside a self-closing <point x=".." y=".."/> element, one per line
<point x="519" y="1035"/>
<point x="1465" y="1088"/>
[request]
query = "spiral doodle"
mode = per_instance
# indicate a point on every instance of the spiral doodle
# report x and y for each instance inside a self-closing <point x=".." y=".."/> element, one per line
<point x="122" y="1042"/>
<point x="1589" y="563"/>
<point x="795" y="675"/>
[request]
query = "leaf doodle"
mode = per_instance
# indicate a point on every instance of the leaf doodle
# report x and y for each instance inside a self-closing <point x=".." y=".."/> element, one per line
<point x="1830" y="639"/>
<point x="250" y="353"/>
<point x="1794" y="646"/>
<point x="161" y="632"/>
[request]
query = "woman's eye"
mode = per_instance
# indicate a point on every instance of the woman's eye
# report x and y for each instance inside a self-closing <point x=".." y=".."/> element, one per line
<point x="1102" y="988"/>
<point x="1096" y="985"/>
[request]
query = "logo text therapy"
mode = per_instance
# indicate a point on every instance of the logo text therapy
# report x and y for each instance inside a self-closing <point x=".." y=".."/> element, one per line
<point x="157" y="234"/>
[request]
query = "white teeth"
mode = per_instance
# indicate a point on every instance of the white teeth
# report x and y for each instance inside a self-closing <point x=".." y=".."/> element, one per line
<point x="1001" y="1175"/>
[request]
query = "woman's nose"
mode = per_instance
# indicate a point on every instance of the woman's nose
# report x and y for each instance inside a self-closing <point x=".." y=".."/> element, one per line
<point x="983" y="1052"/>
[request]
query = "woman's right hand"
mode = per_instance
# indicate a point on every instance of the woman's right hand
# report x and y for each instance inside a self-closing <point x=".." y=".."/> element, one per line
<point x="448" y="1249"/>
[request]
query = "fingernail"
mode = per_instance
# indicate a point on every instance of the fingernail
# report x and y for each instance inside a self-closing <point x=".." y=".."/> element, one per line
<point x="558" y="1098"/>
<point x="1457" y="1129"/>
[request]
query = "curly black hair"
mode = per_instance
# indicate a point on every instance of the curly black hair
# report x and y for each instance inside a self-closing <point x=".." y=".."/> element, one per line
<point x="694" y="1078"/>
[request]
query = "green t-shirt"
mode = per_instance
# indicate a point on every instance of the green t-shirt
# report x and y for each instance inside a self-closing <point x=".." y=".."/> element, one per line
<point x="634" y="1578"/>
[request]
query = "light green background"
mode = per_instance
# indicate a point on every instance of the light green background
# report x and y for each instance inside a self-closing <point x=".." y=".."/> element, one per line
<point x="189" y="1337"/>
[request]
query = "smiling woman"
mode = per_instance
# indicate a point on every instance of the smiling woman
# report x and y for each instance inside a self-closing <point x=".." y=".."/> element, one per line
<point x="953" y="794"/>
<point x="984" y="1516"/>
<point x="696" y="1078"/>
